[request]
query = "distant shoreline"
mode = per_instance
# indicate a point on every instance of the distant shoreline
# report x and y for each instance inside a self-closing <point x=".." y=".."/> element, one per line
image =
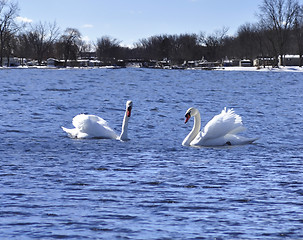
<point x="244" y="69"/>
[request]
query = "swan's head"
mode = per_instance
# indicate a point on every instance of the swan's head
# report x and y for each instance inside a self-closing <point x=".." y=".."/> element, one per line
<point x="189" y="113"/>
<point x="129" y="106"/>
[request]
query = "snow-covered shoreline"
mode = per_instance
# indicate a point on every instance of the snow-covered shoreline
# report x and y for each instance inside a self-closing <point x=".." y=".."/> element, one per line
<point x="262" y="69"/>
<point x="244" y="69"/>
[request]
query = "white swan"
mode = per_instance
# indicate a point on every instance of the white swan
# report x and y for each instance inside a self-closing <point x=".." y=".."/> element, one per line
<point x="91" y="126"/>
<point x="219" y="131"/>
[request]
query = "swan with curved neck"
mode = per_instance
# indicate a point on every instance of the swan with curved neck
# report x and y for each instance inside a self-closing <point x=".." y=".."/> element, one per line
<point x="219" y="131"/>
<point x="92" y="126"/>
<point x="123" y="135"/>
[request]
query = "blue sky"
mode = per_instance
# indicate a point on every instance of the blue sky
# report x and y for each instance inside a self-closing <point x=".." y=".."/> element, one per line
<point x="131" y="20"/>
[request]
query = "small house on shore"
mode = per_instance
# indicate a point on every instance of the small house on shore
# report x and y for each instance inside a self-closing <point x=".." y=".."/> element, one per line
<point x="290" y="60"/>
<point x="231" y="62"/>
<point x="263" y="61"/>
<point x="11" y="62"/>
<point x="245" y="63"/>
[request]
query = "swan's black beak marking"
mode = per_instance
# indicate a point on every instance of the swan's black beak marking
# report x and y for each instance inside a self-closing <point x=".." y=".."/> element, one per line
<point x="187" y="117"/>
<point x="129" y="111"/>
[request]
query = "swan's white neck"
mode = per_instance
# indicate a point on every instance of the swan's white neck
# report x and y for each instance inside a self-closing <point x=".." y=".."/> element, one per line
<point x="123" y="135"/>
<point x="194" y="132"/>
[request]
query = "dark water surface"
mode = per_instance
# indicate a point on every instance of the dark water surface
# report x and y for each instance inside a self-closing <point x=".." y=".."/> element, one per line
<point x="151" y="187"/>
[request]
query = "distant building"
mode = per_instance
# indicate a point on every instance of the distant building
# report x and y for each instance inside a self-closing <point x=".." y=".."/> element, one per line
<point x="88" y="55"/>
<point x="263" y="61"/>
<point x="206" y="64"/>
<point x="94" y="63"/>
<point x="51" y="62"/>
<point x="245" y="63"/>
<point x="231" y="63"/>
<point x="290" y="60"/>
<point x="11" y="62"/>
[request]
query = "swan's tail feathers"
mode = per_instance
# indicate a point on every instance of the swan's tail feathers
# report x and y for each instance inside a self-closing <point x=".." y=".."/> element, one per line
<point x="248" y="141"/>
<point x="229" y="114"/>
<point x="71" y="132"/>
<point x="252" y="140"/>
<point x="66" y="129"/>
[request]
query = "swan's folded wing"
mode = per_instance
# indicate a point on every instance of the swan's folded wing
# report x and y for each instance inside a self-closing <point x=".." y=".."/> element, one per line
<point x="80" y="121"/>
<point x="226" y="122"/>
<point x="94" y="126"/>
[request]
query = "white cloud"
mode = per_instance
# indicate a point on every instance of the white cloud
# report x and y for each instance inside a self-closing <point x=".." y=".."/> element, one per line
<point x="23" y="19"/>
<point x="87" y="26"/>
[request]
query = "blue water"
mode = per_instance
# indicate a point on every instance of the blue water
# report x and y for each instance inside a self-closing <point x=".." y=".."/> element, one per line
<point x="151" y="187"/>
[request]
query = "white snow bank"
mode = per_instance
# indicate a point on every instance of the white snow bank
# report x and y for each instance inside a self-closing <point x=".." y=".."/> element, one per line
<point x="262" y="69"/>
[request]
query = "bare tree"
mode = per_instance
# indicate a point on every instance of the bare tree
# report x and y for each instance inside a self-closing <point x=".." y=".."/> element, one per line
<point x="298" y="33"/>
<point x="186" y="47"/>
<point x="69" y="44"/>
<point x="85" y="47"/>
<point x="214" y="42"/>
<point x="9" y="46"/>
<point x="43" y="36"/>
<point x="8" y="12"/>
<point x="150" y="47"/>
<point x="247" y="41"/>
<point x="23" y="48"/>
<point x="107" y="48"/>
<point x="278" y="17"/>
<point x="176" y="48"/>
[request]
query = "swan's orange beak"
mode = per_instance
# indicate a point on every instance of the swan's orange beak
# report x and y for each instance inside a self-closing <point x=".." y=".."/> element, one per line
<point x="129" y="111"/>
<point x="187" y="117"/>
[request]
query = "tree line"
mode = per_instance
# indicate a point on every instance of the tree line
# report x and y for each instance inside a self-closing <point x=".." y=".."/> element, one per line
<point x="278" y="31"/>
